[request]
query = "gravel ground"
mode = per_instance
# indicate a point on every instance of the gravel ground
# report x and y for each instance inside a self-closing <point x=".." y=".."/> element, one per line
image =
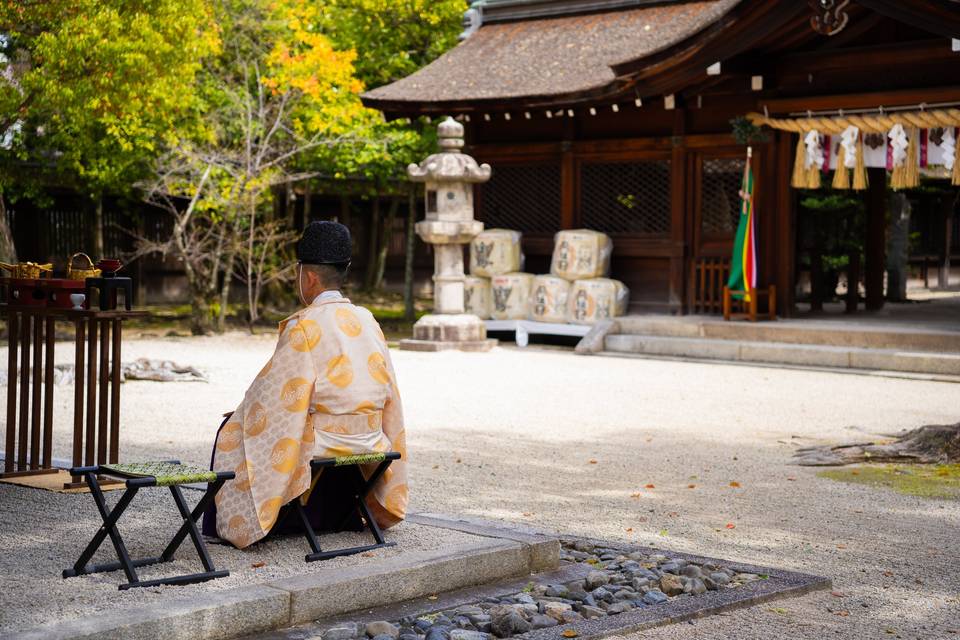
<point x="635" y="450"/>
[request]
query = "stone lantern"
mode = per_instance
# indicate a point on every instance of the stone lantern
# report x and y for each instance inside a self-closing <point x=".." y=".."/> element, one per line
<point x="448" y="178"/>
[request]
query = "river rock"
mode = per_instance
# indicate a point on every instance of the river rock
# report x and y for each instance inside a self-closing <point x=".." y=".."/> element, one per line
<point x="671" y="584"/>
<point x="541" y="621"/>
<point x="467" y="634"/>
<point x="655" y="596"/>
<point x="596" y="579"/>
<point x="508" y="623"/>
<point x="345" y="631"/>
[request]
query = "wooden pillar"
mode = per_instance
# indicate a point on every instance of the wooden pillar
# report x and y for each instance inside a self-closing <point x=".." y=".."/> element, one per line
<point x="943" y="270"/>
<point x="568" y="180"/>
<point x="679" y="178"/>
<point x="786" y="226"/>
<point x="876" y="240"/>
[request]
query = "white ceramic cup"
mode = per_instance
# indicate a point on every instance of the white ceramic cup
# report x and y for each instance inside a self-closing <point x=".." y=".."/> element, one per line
<point x="77" y="299"/>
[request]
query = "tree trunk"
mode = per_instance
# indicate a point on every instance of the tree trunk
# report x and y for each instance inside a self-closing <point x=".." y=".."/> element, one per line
<point x="385" y="242"/>
<point x="225" y="291"/>
<point x="98" y="246"/>
<point x="307" y="206"/>
<point x="898" y="253"/>
<point x="374" y="242"/>
<point x="8" y="252"/>
<point x="408" y="303"/>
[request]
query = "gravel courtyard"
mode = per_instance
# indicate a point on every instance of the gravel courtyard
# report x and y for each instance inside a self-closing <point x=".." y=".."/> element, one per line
<point x="685" y="456"/>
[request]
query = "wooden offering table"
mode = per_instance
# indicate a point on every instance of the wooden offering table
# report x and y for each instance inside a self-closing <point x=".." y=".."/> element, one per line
<point x="30" y="381"/>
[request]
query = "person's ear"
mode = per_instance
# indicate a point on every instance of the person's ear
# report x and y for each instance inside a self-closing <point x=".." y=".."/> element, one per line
<point x="312" y="279"/>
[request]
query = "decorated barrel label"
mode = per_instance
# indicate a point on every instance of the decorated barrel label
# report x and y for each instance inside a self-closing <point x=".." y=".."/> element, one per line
<point x="494" y="252"/>
<point x="581" y="253"/>
<point x="548" y="299"/>
<point x="476" y="296"/>
<point x="511" y="296"/>
<point x="596" y="299"/>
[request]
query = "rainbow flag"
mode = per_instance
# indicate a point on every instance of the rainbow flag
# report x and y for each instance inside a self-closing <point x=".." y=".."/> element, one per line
<point x="743" y="266"/>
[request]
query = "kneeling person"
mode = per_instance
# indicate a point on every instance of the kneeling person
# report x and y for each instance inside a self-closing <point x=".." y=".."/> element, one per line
<point x="329" y="390"/>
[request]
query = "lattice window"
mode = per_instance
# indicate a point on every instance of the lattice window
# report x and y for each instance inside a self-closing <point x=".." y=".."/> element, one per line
<point x="522" y="197"/>
<point x="626" y="197"/>
<point x="720" y="203"/>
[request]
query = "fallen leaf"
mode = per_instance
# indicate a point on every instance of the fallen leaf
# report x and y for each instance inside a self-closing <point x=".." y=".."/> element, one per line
<point x="791" y="479"/>
<point x="650" y="486"/>
<point x="889" y="574"/>
<point x="778" y="610"/>
<point x="672" y="514"/>
<point x="841" y="546"/>
<point x="634" y="495"/>
<point x="592" y="461"/>
<point x="842" y="614"/>
<point x="691" y="486"/>
<point x="570" y="633"/>
<point x="837" y="594"/>
<point x="629" y="529"/>
<point x="459" y="461"/>
<point x="730" y="525"/>
<point x="527" y="514"/>
<point x="257" y="565"/>
<point x="735" y="484"/>
<point x="367" y="554"/>
<point x="855" y="472"/>
<point x="432" y="597"/>
<point x="890" y="631"/>
<point x="649" y="439"/>
<point x="436" y="466"/>
<point x="663" y="532"/>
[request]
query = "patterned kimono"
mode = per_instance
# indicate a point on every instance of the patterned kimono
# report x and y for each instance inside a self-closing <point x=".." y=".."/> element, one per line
<point x="329" y="390"/>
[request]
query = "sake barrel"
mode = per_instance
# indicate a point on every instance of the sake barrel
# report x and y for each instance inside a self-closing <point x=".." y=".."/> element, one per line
<point x="476" y="296"/>
<point x="494" y="252"/>
<point x="510" y="294"/>
<point x="580" y="254"/>
<point x="596" y="299"/>
<point x="548" y="299"/>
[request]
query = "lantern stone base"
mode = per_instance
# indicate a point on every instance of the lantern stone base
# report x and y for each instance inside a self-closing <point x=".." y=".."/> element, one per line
<point x="440" y="332"/>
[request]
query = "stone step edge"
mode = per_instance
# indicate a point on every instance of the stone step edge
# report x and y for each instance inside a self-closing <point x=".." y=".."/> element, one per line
<point x="786" y="353"/>
<point x="935" y="340"/>
<point x="230" y="613"/>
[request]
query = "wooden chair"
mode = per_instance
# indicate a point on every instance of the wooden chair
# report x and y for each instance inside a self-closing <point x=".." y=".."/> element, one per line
<point x="749" y="309"/>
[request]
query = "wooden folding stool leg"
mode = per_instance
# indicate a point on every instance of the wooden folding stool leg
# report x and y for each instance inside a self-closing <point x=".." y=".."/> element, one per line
<point x="110" y="518"/>
<point x="362" y="489"/>
<point x="135" y="481"/>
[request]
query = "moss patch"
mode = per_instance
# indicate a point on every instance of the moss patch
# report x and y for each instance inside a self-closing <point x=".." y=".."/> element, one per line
<point x="924" y="480"/>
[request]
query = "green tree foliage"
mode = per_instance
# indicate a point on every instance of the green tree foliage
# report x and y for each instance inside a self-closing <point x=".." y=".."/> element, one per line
<point x="396" y="37"/>
<point x="92" y="90"/>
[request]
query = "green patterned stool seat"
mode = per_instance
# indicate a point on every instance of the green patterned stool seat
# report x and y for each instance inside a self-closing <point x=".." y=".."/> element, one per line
<point x="165" y="473"/>
<point x="362" y="486"/>
<point x="147" y="476"/>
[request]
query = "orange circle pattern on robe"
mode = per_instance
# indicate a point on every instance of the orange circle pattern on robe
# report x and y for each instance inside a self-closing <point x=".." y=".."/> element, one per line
<point x="230" y="436"/>
<point x="285" y="454"/>
<point x="307" y="337"/>
<point x="340" y="371"/>
<point x="348" y="322"/>
<point x="295" y="395"/>
<point x="377" y="366"/>
<point x="267" y="513"/>
<point x="244" y="476"/>
<point x="256" y="420"/>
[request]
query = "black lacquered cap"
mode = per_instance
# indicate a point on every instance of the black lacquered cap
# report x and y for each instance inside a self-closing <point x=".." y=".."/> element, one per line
<point x="324" y="242"/>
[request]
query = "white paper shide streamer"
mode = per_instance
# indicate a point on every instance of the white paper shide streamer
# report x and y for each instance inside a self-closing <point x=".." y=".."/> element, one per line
<point x="814" y="152"/>
<point x="848" y="140"/>
<point x="898" y="143"/>
<point x="948" y="148"/>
